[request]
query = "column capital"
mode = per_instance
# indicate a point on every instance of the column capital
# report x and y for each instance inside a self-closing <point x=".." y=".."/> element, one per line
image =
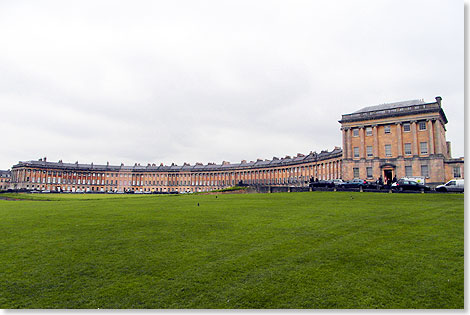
<point x="361" y="127"/>
<point x="374" y="126"/>
<point x="398" y="123"/>
<point x="345" y="128"/>
<point x="413" y="121"/>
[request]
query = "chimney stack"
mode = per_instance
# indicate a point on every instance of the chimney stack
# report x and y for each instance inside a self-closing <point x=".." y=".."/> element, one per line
<point x="438" y="100"/>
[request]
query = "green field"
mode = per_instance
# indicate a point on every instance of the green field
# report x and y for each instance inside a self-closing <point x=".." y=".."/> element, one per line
<point x="283" y="250"/>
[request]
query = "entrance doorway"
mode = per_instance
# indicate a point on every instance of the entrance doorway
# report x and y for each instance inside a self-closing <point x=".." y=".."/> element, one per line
<point x="388" y="175"/>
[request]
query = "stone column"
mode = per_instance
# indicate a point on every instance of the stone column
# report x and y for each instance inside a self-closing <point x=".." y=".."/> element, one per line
<point x="362" y="154"/>
<point x="431" y="136"/>
<point x="376" y="141"/>
<point x="349" y="143"/>
<point x="438" y="149"/>
<point x="415" y="137"/>
<point x="345" y="150"/>
<point x="399" y="141"/>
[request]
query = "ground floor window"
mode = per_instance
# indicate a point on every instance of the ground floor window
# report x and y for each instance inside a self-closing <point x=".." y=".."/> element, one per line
<point x="369" y="172"/>
<point x="356" y="172"/>
<point x="457" y="173"/>
<point x="408" y="171"/>
<point x="424" y="171"/>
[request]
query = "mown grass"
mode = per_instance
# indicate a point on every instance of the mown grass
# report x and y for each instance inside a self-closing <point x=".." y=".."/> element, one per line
<point x="285" y="250"/>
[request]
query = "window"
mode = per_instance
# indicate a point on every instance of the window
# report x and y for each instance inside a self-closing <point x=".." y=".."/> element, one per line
<point x="422" y="125"/>
<point x="369" y="172"/>
<point x="457" y="172"/>
<point x="388" y="150"/>
<point x="406" y="127"/>
<point x="407" y="148"/>
<point x="369" y="131"/>
<point x="356" y="152"/>
<point x="369" y="151"/>
<point x="408" y="171"/>
<point x="387" y="129"/>
<point x="423" y="147"/>
<point x="424" y="171"/>
<point x="355" y="132"/>
<point x="356" y="172"/>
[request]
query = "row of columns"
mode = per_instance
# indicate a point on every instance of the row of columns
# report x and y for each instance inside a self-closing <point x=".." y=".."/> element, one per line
<point x="323" y="170"/>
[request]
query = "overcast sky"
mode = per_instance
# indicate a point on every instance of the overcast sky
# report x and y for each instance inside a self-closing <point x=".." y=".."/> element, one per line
<point x="207" y="81"/>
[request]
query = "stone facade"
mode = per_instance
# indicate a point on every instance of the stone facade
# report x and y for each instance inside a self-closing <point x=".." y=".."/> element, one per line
<point x="398" y="139"/>
<point x="287" y="171"/>
<point x="4" y="180"/>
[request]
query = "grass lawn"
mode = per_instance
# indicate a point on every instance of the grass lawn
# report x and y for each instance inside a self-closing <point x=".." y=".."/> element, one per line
<point x="283" y="250"/>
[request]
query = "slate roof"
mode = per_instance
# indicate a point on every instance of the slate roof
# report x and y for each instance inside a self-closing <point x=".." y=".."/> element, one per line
<point x="323" y="155"/>
<point x="389" y="106"/>
<point x="397" y="109"/>
<point x="5" y="173"/>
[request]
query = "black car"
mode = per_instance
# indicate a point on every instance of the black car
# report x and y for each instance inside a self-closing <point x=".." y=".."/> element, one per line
<point x="403" y="184"/>
<point x="355" y="183"/>
<point x="322" y="183"/>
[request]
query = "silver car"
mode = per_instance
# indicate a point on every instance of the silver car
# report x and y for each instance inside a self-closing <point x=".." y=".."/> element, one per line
<point x="456" y="185"/>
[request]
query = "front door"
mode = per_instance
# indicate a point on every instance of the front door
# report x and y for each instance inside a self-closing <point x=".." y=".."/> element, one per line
<point x="388" y="175"/>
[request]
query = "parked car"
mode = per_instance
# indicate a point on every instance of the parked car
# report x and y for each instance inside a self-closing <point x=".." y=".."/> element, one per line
<point x="404" y="184"/>
<point x="456" y="185"/>
<point x="337" y="182"/>
<point x="322" y="183"/>
<point x="355" y="183"/>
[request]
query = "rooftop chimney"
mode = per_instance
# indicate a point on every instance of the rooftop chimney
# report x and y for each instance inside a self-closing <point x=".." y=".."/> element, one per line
<point x="225" y="163"/>
<point x="438" y="100"/>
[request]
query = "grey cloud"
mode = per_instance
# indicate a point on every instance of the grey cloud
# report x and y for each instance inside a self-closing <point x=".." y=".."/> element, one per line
<point x="209" y="81"/>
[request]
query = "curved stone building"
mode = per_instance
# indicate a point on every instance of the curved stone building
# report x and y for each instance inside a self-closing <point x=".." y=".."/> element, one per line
<point x="59" y="176"/>
<point x="397" y="139"/>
